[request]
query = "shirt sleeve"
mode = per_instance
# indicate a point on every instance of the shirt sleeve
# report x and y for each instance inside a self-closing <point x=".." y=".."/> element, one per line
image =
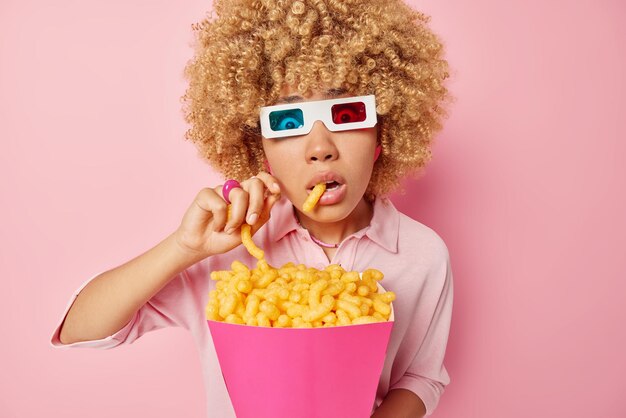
<point x="426" y="375"/>
<point x="158" y="312"/>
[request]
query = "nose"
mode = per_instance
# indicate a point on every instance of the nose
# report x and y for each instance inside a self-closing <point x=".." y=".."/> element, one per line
<point x="320" y="146"/>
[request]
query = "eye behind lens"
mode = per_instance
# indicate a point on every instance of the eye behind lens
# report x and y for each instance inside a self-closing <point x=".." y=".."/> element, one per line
<point x="283" y="120"/>
<point x="348" y="113"/>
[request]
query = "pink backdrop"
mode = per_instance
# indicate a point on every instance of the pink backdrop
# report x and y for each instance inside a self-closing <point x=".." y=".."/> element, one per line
<point x="525" y="189"/>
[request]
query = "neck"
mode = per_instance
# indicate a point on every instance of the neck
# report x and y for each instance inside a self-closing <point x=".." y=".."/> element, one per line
<point x="335" y="232"/>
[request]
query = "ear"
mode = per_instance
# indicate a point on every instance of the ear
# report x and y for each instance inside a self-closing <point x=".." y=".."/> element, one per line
<point x="266" y="164"/>
<point x="377" y="152"/>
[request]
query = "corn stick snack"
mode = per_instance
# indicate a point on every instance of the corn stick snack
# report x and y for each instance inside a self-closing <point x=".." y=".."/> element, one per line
<point x="246" y="238"/>
<point x="296" y="296"/>
<point x="314" y="197"/>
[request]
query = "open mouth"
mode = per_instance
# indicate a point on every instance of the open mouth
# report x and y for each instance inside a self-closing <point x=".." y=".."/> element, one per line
<point x="330" y="185"/>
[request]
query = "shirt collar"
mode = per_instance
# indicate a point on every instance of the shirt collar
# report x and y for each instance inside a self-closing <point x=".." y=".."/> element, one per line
<point x="383" y="228"/>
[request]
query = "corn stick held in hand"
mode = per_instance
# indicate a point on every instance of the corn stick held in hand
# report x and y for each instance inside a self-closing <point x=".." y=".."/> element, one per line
<point x="246" y="238"/>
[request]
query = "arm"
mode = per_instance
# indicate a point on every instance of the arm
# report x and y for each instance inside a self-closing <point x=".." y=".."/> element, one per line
<point x="425" y="375"/>
<point x="111" y="299"/>
<point x="400" y="403"/>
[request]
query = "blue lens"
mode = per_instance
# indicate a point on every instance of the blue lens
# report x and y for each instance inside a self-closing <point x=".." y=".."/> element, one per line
<point x="284" y="120"/>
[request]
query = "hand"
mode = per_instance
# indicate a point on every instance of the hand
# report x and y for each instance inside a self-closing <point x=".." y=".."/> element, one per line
<point x="205" y="231"/>
<point x="400" y="403"/>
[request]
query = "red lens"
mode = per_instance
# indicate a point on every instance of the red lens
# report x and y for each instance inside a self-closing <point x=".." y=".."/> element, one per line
<point x="348" y="113"/>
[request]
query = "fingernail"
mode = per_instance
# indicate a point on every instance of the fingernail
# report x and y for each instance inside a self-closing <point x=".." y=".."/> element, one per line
<point x="252" y="219"/>
<point x="276" y="188"/>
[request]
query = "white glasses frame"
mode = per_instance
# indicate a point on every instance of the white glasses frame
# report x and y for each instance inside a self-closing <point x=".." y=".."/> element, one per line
<point x="318" y="110"/>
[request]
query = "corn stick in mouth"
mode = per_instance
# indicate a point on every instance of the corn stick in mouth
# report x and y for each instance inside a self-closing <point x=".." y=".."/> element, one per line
<point x="314" y="197"/>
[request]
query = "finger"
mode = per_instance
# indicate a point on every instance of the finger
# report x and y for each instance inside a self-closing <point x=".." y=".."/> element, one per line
<point x="256" y="189"/>
<point x="222" y="223"/>
<point x="220" y="216"/>
<point x="239" y="204"/>
<point x="270" y="181"/>
<point x="270" y="201"/>
<point x="211" y="202"/>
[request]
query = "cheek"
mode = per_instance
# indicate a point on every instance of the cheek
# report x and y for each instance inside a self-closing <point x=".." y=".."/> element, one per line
<point x="278" y="158"/>
<point x="360" y="152"/>
<point x="362" y="144"/>
<point x="268" y="151"/>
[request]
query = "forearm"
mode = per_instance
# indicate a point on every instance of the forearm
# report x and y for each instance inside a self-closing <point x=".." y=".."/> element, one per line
<point x="111" y="299"/>
<point x="400" y="403"/>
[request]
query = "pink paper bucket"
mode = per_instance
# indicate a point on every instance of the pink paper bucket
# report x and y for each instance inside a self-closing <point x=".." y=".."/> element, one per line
<point x="302" y="372"/>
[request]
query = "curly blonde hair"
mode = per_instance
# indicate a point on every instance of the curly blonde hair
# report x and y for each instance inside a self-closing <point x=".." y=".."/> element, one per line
<point x="381" y="47"/>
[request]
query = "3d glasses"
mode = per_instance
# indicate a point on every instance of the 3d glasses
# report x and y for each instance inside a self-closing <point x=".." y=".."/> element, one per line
<point x="342" y="114"/>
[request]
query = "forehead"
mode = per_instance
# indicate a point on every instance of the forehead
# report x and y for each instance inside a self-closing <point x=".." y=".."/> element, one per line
<point x="289" y="94"/>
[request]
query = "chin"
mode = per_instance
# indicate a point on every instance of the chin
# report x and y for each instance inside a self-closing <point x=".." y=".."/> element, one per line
<point x="331" y="213"/>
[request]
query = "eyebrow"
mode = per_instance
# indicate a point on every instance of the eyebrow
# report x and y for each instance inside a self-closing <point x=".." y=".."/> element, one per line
<point x="327" y="94"/>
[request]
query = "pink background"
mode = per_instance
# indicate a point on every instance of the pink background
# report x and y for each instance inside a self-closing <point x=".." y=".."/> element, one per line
<point x="525" y="188"/>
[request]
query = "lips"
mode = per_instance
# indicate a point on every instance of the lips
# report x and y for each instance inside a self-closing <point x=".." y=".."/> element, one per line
<point x="325" y="177"/>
